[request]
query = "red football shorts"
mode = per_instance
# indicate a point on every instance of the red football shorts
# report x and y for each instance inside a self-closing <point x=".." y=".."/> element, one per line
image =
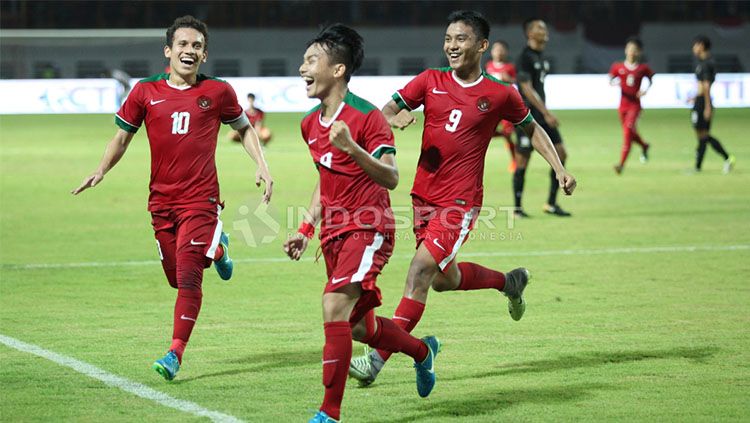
<point x="358" y="257"/>
<point x="442" y="230"/>
<point x="629" y="116"/>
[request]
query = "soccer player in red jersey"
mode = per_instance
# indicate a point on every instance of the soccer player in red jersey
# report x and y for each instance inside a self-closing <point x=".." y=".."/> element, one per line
<point x="462" y="107"/>
<point x="629" y="75"/>
<point x="505" y="71"/>
<point x="182" y="112"/>
<point x="352" y="147"/>
<point x="256" y="117"/>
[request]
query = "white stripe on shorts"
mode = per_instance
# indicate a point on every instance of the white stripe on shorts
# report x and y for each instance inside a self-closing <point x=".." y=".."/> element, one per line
<point x="464" y="231"/>
<point x="366" y="263"/>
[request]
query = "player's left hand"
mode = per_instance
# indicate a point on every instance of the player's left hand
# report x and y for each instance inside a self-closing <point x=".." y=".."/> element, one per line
<point x="567" y="182"/>
<point x="295" y="246"/>
<point x="707" y="112"/>
<point x="640" y="94"/>
<point x="340" y="137"/>
<point x="264" y="175"/>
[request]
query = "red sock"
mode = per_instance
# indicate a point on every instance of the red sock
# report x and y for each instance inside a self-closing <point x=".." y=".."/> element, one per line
<point x="219" y="252"/>
<point x="178" y="346"/>
<point x="474" y="276"/>
<point x="391" y="337"/>
<point x="625" y="147"/>
<point x="637" y="138"/>
<point x="407" y="316"/>
<point x="337" y="354"/>
<point x="186" y="310"/>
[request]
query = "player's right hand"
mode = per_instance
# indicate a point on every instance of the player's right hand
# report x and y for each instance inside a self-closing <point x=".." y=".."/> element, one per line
<point x="295" y="246"/>
<point x="567" y="182"/>
<point x="263" y="175"/>
<point x="403" y="119"/>
<point x="551" y="120"/>
<point x="89" y="182"/>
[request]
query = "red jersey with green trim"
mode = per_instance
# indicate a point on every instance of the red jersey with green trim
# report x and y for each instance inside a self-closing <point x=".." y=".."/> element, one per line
<point x="351" y="200"/>
<point x="630" y="77"/>
<point x="459" y="121"/>
<point x="182" y="125"/>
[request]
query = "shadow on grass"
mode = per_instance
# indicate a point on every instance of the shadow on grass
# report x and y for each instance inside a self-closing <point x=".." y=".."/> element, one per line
<point x="261" y="362"/>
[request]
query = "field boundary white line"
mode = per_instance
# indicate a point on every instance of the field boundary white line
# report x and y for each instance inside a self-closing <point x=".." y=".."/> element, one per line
<point x="540" y="253"/>
<point x="119" y="382"/>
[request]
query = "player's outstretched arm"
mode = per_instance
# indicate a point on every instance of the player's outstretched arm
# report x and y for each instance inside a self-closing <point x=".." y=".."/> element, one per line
<point x="530" y="93"/>
<point x="252" y="145"/>
<point x="542" y="143"/>
<point x="397" y="117"/>
<point x="383" y="171"/>
<point x="297" y="243"/>
<point x="112" y="154"/>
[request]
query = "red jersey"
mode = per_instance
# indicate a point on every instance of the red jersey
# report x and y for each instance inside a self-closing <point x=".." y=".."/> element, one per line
<point x="498" y="70"/>
<point x="351" y="200"/>
<point x="459" y="122"/>
<point x="630" y="81"/>
<point x="256" y="116"/>
<point x="182" y="126"/>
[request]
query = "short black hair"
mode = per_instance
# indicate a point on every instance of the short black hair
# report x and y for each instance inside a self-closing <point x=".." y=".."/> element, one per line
<point x="343" y="45"/>
<point x="635" y="40"/>
<point x="502" y="43"/>
<point x="187" y="21"/>
<point x="251" y="95"/>
<point x="702" y="39"/>
<point x="527" y="23"/>
<point x="474" y="19"/>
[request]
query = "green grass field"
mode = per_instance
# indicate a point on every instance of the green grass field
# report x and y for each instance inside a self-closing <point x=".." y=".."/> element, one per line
<point x="638" y="310"/>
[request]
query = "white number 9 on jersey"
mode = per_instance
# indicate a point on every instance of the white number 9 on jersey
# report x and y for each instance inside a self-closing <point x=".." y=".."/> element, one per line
<point x="326" y="159"/>
<point x="453" y="120"/>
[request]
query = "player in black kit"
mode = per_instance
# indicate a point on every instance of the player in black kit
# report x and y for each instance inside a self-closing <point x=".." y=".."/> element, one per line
<point x="532" y="69"/>
<point x="702" y="112"/>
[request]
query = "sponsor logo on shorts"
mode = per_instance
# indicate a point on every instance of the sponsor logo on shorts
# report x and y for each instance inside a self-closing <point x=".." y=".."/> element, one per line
<point x="436" y="242"/>
<point x="194" y="242"/>
<point x="337" y="280"/>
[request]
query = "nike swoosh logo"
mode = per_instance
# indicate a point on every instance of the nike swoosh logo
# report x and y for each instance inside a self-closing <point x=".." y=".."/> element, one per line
<point x="337" y="280"/>
<point x="155" y="102"/>
<point x="193" y="242"/>
<point x="436" y="242"/>
<point x="330" y="361"/>
<point x="183" y="317"/>
<point x="311" y="141"/>
<point x="435" y="91"/>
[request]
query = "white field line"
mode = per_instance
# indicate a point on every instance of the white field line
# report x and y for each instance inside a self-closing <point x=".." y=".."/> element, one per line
<point x="118" y="382"/>
<point x="540" y="253"/>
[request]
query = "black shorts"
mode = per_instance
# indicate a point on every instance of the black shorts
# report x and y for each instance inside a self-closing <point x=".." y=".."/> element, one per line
<point x="523" y="143"/>
<point x="696" y="115"/>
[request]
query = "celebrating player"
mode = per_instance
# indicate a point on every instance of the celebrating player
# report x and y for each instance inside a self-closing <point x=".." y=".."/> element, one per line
<point x="628" y="75"/>
<point x="256" y="117"/>
<point x="182" y="111"/>
<point x="533" y="67"/>
<point x="352" y="147"/>
<point x="462" y="109"/>
<point x="505" y="71"/>
<point x="703" y="110"/>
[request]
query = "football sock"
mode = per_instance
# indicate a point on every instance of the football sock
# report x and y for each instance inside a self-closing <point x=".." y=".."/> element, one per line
<point x="219" y="252"/>
<point x="186" y="310"/>
<point x="474" y="276"/>
<point x="391" y="337"/>
<point x="716" y="145"/>
<point x="178" y="346"/>
<point x="700" y="152"/>
<point x="407" y="316"/>
<point x="554" y="186"/>
<point x="337" y="353"/>
<point x="625" y="152"/>
<point x="519" y="177"/>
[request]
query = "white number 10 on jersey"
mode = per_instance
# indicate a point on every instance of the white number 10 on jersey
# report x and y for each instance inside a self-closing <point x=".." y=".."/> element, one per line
<point x="180" y="122"/>
<point x="453" y="120"/>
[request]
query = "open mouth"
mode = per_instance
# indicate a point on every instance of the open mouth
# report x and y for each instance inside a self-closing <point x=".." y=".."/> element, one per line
<point x="186" y="60"/>
<point x="308" y="81"/>
<point x="454" y="56"/>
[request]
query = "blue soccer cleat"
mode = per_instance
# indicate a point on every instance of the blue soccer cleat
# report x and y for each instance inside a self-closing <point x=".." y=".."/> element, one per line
<point x="426" y="369"/>
<point x="224" y="265"/>
<point x="167" y="366"/>
<point x="322" y="417"/>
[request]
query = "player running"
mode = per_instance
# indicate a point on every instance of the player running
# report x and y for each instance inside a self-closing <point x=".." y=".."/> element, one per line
<point x="462" y="107"/>
<point x="705" y="72"/>
<point x="352" y="147"/>
<point x="505" y="71"/>
<point x="629" y="75"/>
<point x="256" y="117"/>
<point x="182" y="112"/>
<point x="533" y="67"/>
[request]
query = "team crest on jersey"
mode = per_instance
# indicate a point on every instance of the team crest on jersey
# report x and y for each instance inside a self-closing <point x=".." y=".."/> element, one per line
<point x="204" y="102"/>
<point x="483" y="104"/>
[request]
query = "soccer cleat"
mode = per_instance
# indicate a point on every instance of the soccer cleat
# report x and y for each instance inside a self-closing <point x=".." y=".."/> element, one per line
<point x="644" y="154"/>
<point x="728" y="165"/>
<point x="167" y="366"/>
<point x="361" y="369"/>
<point x="556" y="210"/>
<point x="515" y="283"/>
<point x="518" y="212"/>
<point x="224" y="265"/>
<point x="322" y="417"/>
<point x="426" y="369"/>
<point x="618" y="169"/>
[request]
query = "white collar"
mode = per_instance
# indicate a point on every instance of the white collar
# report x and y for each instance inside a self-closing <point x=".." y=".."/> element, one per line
<point x="333" y="118"/>
<point x="465" y="85"/>
<point x="177" y="87"/>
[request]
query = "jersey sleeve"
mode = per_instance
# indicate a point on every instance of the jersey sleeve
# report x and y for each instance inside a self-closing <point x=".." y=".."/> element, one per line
<point x="132" y="112"/>
<point x="378" y="137"/>
<point x="231" y="112"/>
<point x="412" y="95"/>
<point x="512" y="71"/>
<point x="613" y="70"/>
<point x="648" y="72"/>
<point x="525" y="68"/>
<point x="515" y="110"/>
